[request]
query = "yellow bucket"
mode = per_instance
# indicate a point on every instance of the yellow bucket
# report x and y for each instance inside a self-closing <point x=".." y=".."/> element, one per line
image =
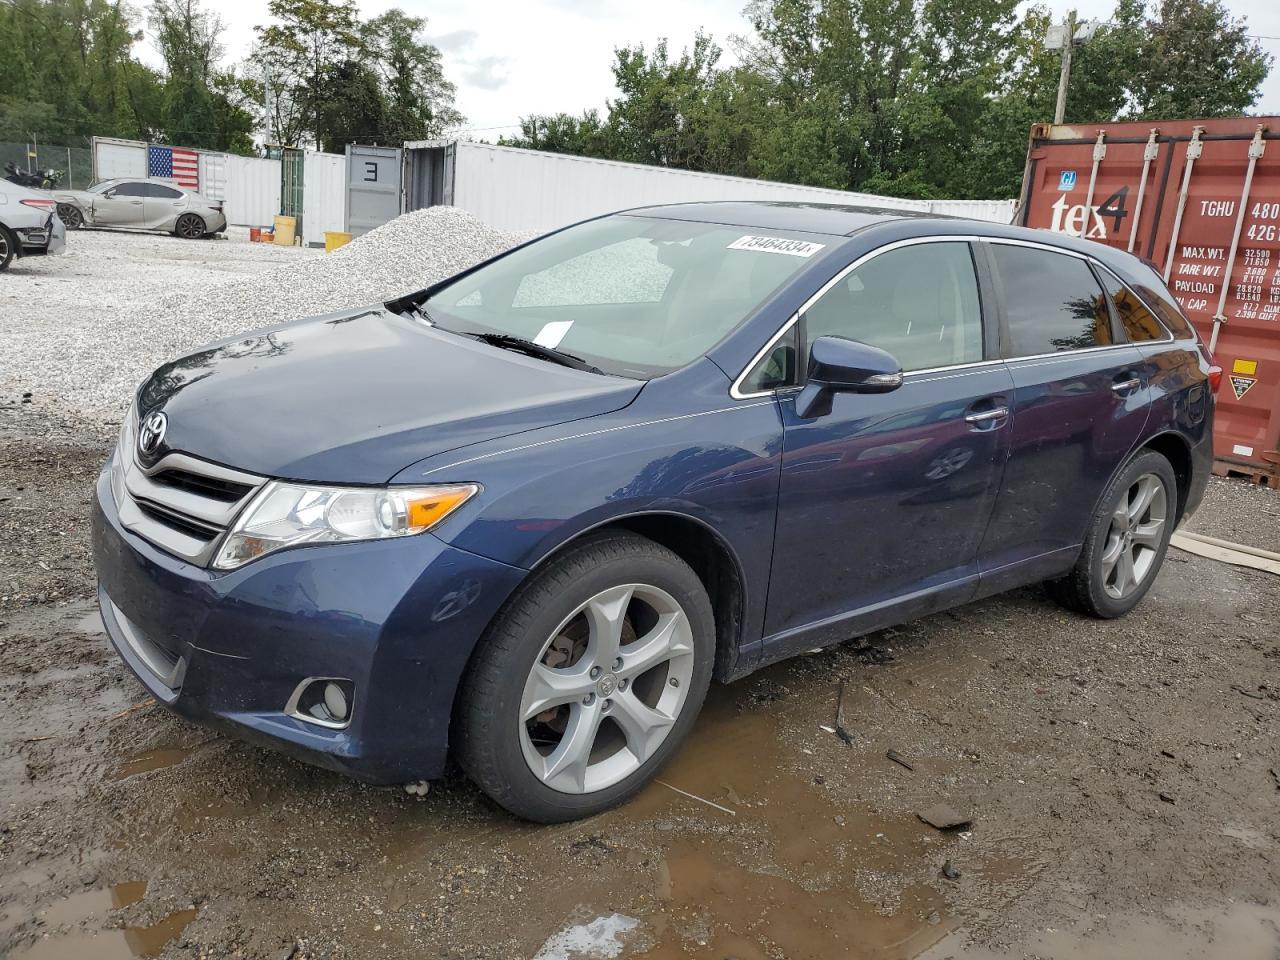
<point x="333" y="239"/>
<point x="285" y="227"/>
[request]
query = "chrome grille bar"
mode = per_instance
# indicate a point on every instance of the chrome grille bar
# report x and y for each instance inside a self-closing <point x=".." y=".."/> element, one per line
<point x="177" y="518"/>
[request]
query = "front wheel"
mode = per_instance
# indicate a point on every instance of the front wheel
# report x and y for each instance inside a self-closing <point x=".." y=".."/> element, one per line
<point x="1126" y="543"/>
<point x="190" y="226"/>
<point x="588" y="680"/>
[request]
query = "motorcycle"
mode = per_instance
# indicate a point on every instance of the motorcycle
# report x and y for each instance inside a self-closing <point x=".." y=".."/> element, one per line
<point x="38" y="179"/>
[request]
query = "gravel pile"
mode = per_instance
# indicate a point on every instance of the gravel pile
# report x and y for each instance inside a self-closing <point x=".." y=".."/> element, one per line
<point x="94" y="362"/>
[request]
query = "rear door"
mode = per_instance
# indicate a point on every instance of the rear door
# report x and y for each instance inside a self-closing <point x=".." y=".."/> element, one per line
<point x="1080" y="402"/>
<point x="883" y="501"/>
<point x="162" y="205"/>
<point x="121" y="206"/>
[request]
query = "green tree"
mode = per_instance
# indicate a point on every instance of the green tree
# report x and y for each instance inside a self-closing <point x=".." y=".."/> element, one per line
<point x="1196" y="60"/>
<point x="300" y="49"/>
<point x="419" y="100"/>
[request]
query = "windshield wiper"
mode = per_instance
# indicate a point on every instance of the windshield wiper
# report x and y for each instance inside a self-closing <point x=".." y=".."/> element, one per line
<point x="519" y="344"/>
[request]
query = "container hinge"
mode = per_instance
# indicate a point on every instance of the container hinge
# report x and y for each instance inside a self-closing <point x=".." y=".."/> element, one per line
<point x="1153" y="147"/>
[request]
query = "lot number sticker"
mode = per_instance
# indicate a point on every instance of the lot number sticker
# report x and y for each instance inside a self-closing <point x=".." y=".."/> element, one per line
<point x="1241" y="385"/>
<point x="792" y="248"/>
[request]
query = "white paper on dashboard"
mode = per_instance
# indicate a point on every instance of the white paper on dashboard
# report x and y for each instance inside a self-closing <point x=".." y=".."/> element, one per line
<point x="553" y="333"/>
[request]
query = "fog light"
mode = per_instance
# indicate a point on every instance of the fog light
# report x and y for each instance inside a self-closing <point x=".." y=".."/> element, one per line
<point x="335" y="700"/>
<point x="326" y="701"/>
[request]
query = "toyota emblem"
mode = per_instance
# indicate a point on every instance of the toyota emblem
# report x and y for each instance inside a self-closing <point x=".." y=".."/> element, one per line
<point x="152" y="432"/>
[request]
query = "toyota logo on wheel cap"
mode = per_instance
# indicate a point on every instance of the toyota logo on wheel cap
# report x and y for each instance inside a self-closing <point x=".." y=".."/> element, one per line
<point x="152" y="432"/>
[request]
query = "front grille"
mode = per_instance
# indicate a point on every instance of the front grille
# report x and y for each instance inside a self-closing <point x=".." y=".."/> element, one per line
<point x="225" y="490"/>
<point x="181" y="504"/>
<point x="177" y="521"/>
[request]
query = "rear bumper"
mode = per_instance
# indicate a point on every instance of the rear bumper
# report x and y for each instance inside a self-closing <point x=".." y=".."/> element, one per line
<point x="397" y="618"/>
<point x="51" y="237"/>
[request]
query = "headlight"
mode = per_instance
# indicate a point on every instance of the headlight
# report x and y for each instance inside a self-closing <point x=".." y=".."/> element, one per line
<point x="288" y="514"/>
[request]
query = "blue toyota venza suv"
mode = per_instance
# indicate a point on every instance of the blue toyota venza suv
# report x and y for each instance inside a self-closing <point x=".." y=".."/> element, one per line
<point x="524" y="517"/>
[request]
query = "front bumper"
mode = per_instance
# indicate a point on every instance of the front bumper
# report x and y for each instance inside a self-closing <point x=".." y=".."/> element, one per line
<point x="399" y="618"/>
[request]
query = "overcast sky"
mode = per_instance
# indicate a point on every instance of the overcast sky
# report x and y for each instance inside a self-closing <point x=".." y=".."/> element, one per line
<point x="511" y="58"/>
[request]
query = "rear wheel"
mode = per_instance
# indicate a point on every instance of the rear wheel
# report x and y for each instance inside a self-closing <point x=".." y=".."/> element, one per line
<point x="8" y="248"/>
<point x="70" y="216"/>
<point x="1127" y="541"/>
<point x="588" y="681"/>
<point x="190" y="226"/>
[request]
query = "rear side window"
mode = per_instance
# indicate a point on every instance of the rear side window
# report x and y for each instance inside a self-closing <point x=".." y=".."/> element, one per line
<point x="160" y="191"/>
<point x="1137" y="321"/>
<point x="1052" y="300"/>
<point x="1162" y="301"/>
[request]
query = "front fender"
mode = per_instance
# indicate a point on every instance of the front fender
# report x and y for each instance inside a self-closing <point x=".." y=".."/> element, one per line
<point x="682" y="448"/>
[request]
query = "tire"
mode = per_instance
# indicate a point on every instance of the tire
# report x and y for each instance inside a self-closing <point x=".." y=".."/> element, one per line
<point x="70" y="216"/>
<point x="541" y="651"/>
<point x="8" y="248"/>
<point x="190" y="226"/>
<point x="1134" y="520"/>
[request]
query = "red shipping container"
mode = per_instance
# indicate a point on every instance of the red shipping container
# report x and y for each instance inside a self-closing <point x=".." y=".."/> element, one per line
<point x="1201" y="200"/>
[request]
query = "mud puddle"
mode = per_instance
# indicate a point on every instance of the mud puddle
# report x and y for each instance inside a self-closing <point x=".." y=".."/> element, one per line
<point x="1244" y="931"/>
<point x="65" y="940"/>
<point x="151" y="760"/>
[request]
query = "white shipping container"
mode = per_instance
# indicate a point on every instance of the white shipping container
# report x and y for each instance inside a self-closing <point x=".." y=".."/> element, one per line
<point x="252" y="191"/>
<point x="528" y="190"/>
<point x="324" y="195"/>
<point x="114" y="158"/>
<point x="213" y="175"/>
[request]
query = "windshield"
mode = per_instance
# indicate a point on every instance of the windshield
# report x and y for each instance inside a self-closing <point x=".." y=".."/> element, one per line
<point x="634" y="296"/>
<point x="103" y="185"/>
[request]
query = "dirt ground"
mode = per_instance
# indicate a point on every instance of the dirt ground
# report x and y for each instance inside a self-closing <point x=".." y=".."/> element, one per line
<point x="1123" y="780"/>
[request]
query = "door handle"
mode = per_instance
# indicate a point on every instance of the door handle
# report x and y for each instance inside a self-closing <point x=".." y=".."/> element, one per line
<point x="1126" y="386"/>
<point x="136" y="203"/>
<point x="985" y="416"/>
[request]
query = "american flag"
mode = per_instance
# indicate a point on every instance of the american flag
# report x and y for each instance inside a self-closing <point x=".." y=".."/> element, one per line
<point x="175" y="164"/>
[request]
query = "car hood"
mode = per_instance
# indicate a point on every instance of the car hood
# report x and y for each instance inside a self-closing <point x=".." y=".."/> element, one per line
<point x="355" y="397"/>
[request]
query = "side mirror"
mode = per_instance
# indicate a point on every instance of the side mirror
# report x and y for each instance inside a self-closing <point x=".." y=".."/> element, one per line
<point x="108" y="194"/>
<point x="840" y="365"/>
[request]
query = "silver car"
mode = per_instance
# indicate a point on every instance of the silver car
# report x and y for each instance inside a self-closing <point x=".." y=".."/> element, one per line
<point x="141" y="205"/>
<point x="27" y="224"/>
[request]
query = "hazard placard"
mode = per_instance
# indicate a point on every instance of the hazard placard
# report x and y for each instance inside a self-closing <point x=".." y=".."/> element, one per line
<point x="1241" y="385"/>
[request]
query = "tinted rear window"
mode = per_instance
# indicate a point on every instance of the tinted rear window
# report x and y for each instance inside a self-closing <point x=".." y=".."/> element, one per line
<point x="1137" y="321"/>
<point x="1053" y="301"/>
<point x="1158" y="297"/>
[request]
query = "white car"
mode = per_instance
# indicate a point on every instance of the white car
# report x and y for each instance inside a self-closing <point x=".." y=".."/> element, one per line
<point x="141" y="205"/>
<point x="28" y="226"/>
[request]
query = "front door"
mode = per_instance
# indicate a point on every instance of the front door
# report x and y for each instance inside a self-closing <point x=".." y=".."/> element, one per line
<point x="884" y="500"/>
<point x="121" y="206"/>
<point x="1080" y="402"/>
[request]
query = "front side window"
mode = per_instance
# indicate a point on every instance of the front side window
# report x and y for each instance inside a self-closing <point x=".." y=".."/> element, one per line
<point x="1052" y="300"/>
<point x="130" y="190"/>
<point x="919" y="303"/>
<point x="634" y="296"/>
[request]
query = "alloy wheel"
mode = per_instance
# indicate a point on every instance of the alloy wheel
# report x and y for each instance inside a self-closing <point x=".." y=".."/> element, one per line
<point x="190" y="226"/>
<point x="1134" y="537"/>
<point x="606" y="689"/>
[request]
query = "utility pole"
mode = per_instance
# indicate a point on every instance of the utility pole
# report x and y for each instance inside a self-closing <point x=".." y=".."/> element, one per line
<point x="1068" y="41"/>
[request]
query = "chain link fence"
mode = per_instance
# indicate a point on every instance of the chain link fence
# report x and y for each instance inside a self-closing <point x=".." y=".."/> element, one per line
<point x="72" y="167"/>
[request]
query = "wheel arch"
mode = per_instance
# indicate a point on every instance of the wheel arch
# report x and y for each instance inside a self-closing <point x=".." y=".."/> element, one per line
<point x="1177" y="450"/>
<point x="706" y="551"/>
